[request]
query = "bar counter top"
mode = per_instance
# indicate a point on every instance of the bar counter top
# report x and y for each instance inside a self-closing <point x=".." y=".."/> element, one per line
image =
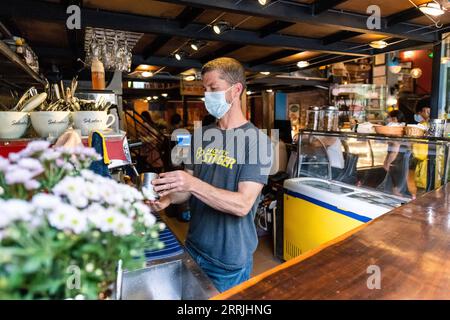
<point x="410" y="245"/>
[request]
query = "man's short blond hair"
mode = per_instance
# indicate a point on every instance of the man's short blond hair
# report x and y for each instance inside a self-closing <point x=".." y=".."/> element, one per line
<point x="230" y="70"/>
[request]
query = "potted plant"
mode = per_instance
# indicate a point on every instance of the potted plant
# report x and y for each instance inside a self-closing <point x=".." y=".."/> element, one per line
<point x="64" y="228"/>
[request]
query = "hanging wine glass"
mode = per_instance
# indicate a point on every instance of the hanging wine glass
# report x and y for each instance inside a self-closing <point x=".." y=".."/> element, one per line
<point x="128" y="57"/>
<point x="94" y="49"/>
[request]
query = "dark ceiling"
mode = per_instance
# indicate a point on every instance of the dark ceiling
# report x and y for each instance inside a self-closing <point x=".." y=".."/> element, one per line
<point x="265" y="38"/>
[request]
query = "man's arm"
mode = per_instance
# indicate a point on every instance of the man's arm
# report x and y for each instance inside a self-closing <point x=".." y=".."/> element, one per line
<point x="237" y="203"/>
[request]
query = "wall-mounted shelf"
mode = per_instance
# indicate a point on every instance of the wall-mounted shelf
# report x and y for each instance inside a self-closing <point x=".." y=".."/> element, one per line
<point x="14" y="70"/>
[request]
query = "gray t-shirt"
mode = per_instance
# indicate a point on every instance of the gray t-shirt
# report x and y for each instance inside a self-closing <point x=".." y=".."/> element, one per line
<point x="223" y="158"/>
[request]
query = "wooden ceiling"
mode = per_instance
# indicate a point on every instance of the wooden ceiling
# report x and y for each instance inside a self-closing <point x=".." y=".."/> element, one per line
<point x="274" y="37"/>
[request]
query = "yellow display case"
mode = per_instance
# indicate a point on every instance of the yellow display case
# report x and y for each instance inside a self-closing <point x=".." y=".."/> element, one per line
<point x="317" y="211"/>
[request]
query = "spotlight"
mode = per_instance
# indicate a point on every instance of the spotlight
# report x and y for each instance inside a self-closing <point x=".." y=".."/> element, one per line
<point x="155" y="97"/>
<point x="147" y="74"/>
<point x="432" y="9"/>
<point x="149" y="98"/>
<point x="266" y="73"/>
<point x="164" y="95"/>
<point x="189" y="78"/>
<point x="180" y="55"/>
<point x="249" y="92"/>
<point x="203" y="99"/>
<point x="302" y="64"/>
<point x="269" y="90"/>
<point x="196" y="45"/>
<point x="379" y="44"/>
<point x="220" y="27"/>
<point x="263" y="2"/>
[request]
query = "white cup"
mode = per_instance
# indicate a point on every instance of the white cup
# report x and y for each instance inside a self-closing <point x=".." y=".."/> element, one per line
<point x="88" y="121"/>
<point x="13" y="124"/>
<point x="50" y="123"/>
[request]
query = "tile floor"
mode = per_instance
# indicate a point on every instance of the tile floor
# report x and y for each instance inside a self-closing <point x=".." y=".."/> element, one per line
<point x="263" y="258"/>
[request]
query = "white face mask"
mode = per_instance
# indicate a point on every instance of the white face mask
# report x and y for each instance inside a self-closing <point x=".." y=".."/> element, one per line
<point x="418" y="118"/>
<point x="216" y="103"/>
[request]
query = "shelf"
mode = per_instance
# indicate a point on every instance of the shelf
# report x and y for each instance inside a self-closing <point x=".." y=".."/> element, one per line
<point x="15" y="71"/>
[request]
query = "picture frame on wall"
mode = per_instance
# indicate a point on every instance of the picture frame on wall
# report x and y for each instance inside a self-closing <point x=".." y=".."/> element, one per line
<point x="380" y="59"/>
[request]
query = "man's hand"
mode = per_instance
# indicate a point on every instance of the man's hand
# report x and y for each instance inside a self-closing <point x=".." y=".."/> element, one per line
<point x="174" y="181"/>
<point x="160" y="204"/>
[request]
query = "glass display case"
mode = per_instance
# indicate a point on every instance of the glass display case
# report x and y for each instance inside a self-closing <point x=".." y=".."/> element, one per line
<point x="363" y="102"/>
<point x="400" y="166"/>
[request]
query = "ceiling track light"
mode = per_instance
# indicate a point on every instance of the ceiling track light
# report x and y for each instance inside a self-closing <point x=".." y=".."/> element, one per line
<point x="180" y="55"/>
<point x="432" y="9"/>
<point x="190" y="78"/>
<point x="263" y="2"/>
<point x="379" y="44"/>
<point x="302" y="64"/>
<point x="196" y="45"/>
<point x="221" y="27"/>
<point x="147" y="74"/>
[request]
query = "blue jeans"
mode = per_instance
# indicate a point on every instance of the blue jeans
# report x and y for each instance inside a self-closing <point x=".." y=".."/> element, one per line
<point x="223" y="279"/>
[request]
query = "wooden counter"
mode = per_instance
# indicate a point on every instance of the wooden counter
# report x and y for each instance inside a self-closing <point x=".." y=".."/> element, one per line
<point x="410" y="245"/>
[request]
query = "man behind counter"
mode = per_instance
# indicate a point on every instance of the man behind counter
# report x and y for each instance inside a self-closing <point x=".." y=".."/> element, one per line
<point x="223" y="182"/>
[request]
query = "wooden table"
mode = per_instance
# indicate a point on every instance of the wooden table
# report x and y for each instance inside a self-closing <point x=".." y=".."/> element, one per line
<point x="410" y="245"/>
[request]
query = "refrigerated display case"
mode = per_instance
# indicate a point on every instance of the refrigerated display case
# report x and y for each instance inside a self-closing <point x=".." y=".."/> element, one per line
<point x="317" y="211"/>
<point x="395" y="165"/>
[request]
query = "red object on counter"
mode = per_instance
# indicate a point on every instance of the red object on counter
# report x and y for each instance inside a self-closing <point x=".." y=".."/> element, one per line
<point x="116" y="146"/>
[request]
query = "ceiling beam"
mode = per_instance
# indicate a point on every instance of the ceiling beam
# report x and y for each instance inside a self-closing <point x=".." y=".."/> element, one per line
<point x="403" y="16"/>
<point x="185" y="63"/>
<point x="339" y="36"/>
<point x="222" y="52"/>
<point x="320" y="6"/>
<point x="40" y="10"/>
<point x="155" y="45"/>
<point x="327" y="60"/>
<point x="298" y="12"/>
<point x="273" y="57"/>
<point x="274" y="27"/>
<point x="188" y="15"/>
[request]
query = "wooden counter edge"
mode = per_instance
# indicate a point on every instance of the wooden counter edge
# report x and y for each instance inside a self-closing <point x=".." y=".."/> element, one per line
<point x="252" y="281"/>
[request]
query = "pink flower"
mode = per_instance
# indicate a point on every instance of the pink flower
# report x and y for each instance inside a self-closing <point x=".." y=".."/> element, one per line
<point x="4" y="164"/>
<point x="31" y="164"/>
<point x="18" y="175"/>
<point x="32" y="185"/>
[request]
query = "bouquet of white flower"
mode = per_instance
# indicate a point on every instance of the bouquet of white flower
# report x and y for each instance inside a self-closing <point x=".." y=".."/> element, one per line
<point x="63" y="228"/>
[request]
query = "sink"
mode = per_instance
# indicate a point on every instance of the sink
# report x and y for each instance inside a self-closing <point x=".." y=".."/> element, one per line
<point x="177" y="279"/>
